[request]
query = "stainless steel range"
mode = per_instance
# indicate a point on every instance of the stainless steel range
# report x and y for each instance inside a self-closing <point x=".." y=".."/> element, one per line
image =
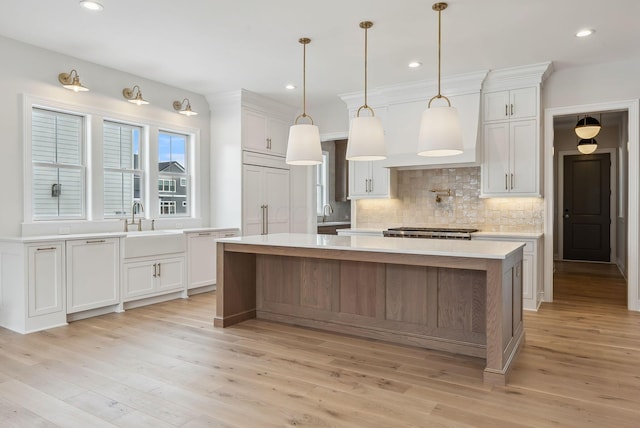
<point x="428" y="232"/>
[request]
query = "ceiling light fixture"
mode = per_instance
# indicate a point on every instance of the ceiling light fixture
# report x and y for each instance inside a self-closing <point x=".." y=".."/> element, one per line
<point x="587" y="146"/>
<point x="585" y="33"/>
<point x="134" y="96"/>
<point x="186" y="110"/>
<point x="440" y="131"/>
<point x="366" y="135"/>
<point x="71" y="81"/>
<point x="290" y="87"/>
<point x="414" y="64"/>
<point x="91" y="5"/>
<point x="588" y="127"/>
<point x="303" y="146"/>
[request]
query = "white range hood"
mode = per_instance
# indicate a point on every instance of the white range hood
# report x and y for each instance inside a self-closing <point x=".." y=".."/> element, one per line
<point x="400" y="107"/>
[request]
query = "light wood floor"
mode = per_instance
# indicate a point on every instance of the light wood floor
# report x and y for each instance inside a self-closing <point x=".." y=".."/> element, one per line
<point x="165" y="366"/>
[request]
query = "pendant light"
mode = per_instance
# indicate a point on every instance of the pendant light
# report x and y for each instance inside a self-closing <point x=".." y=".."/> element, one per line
<point x="366" y="135"/>
<point x="587" y="146"/>
<point x="440" y="130"/>
<point x="588" y="127"/>
<point x="303" y="146"/>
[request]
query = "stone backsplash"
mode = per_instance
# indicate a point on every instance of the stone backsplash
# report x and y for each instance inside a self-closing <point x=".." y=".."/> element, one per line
<point x="415" y="204"/>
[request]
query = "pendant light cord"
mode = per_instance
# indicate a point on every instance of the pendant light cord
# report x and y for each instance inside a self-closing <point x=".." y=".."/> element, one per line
<point x="365" y="66"/>
<point x="439" y="50"/>
<point x="304" y="41"/>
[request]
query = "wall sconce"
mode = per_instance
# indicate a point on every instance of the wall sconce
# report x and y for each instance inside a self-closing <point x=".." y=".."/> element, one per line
<point x="71" y="81"/>
<point x="587" y="146"/>
<point x="134" y="96"/>
<point x="177" y="105"/>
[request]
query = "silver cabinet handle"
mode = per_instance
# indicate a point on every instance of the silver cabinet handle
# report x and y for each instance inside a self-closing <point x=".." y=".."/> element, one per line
<point x="204" y="234"/>
<point x="96" y="241"/>
<point x="506" y="110"/>
<point x="266" y="222"/>
<point x="371" y="185"/>
<point x="155" y="270"/>
<point x="511" y="181"/>
<point x="46" y="249"/>
<point x="262" y="228"/>
<point x="159" y="269"/>
<point x="511" y="109"/>
<point x="506" y="184"/>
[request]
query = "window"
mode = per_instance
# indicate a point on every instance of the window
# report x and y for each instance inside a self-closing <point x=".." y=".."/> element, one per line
<point x="58" y="170"/>
<point x="173" y="168"/>
<point x="322" y="183"/>
<point x="122" y="168"/>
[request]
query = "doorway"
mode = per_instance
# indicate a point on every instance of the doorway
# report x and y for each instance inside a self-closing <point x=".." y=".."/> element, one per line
<point x="627" y="176"/>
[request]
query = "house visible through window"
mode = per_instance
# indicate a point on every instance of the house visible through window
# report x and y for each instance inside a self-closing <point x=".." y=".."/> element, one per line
<point x="123" y="175"/>
<point x="58" y="168"/>
<point x="173" y="168"/>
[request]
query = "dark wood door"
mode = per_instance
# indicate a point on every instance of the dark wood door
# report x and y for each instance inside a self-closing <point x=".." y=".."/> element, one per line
<point x="586" y="215"/>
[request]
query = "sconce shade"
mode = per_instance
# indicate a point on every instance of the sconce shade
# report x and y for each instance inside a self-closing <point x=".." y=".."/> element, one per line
<point x="440" y="132"/>
<point x="587" y="146"/>
<point x="71" y="81"/>
<point x="588" y="127"/>
<point x="303" y="146"/>
<point x="366" y="139"/>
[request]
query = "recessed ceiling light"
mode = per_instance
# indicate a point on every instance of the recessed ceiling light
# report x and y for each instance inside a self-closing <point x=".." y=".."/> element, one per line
<point x="414" y="64"/>
<point x="584" y="33"/>
<point x="290" y="87"/>
<point x="91" y="5"/>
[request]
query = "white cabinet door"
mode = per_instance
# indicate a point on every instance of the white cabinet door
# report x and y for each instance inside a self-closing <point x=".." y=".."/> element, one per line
<point x="495" y="168"/>
<point x="278" y="135"/>
<point x="45" y="278"/>
<point x="276" y="197"/>
<point x="359" y="174"/>
<point x="496" y="106"/>
<point x="254" y="131"/>
<point x="170" y="274"/>
<point x="201" y="249"/>
<point x="379" y="180"/>
<point x="138" y="279"/>
<point x="524" y="157"/>
<point x="93" y="273"/>
<point x="252" y="200"/>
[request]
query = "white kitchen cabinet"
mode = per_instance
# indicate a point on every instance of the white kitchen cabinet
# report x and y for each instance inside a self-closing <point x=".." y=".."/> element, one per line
<point x="45" y="279"/>
<point x="265" y="200"/>
<point x="93" y="273"/>
<point x="263" y="133"/>
<point x="514" y="104"/>
<point x="201" y="256"/>
<point x="511" y="159"/>
<point x="370" y="179"/>
<point x="532" y="286"/>
<point x="152" y="276"/>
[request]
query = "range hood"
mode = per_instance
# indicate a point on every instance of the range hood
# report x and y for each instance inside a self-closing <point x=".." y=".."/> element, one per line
<point x="400" y="107"/>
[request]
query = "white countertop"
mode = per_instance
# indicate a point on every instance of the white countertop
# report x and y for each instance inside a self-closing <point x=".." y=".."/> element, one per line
<point x="516" y="235"/>
<point x="431" y="247"/>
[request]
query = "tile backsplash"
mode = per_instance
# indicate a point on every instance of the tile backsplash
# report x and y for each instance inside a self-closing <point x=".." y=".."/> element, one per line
<point x="416" y="204"/>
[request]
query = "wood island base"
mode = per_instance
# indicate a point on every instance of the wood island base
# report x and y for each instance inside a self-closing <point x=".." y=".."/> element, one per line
<point x="464" y="305"/>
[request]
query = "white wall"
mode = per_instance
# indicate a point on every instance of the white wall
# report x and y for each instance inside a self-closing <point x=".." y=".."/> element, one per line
<point x="34" y="71"/>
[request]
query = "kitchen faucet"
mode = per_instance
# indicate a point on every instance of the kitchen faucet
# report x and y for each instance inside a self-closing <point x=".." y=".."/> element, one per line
<point x="324" y="212"/>
<point x="133" y="216"/>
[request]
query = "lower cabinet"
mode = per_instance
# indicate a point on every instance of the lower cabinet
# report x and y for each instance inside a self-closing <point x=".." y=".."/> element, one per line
<point x="153" y="276"/>
<point x="93" y="273"/>
<point x="45" y="279"/>
<point x="201" y="256"/>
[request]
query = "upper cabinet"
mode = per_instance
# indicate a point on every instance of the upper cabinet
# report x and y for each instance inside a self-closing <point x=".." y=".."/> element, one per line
<point x="511" y="104"/>
<point x="511" y="131"/>
<point x="369" y="180"/>
<point x="264" y="133"/>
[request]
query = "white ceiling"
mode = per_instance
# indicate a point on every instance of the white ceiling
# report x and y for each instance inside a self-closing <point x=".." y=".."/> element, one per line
<point x="208" y="46"/>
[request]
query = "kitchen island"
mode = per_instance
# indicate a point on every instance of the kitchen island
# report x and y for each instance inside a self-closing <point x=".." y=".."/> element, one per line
<point x="458" y="296"/>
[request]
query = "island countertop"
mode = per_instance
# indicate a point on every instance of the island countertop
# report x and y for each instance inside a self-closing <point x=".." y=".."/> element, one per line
<point x="427" y="247"/>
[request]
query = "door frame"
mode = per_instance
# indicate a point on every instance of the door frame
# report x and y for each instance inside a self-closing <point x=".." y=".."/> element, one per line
<point x="613" y="200"/>
<point x="633" y="209"/>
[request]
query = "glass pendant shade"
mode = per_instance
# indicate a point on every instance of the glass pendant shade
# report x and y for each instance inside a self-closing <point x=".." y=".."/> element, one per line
<point x="366" y="139"/>
<point x="440" y="132"/>
<point x="587" y="146"/>
<point x="588" y="127"/>
<point x="303" y="147"/>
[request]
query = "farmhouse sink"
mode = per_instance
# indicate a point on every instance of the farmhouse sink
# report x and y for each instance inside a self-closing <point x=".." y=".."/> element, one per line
<point x="153" y="242"/>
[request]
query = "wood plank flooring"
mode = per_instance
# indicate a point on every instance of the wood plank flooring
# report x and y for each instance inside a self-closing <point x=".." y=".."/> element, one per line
<point x="165" y="365"/>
